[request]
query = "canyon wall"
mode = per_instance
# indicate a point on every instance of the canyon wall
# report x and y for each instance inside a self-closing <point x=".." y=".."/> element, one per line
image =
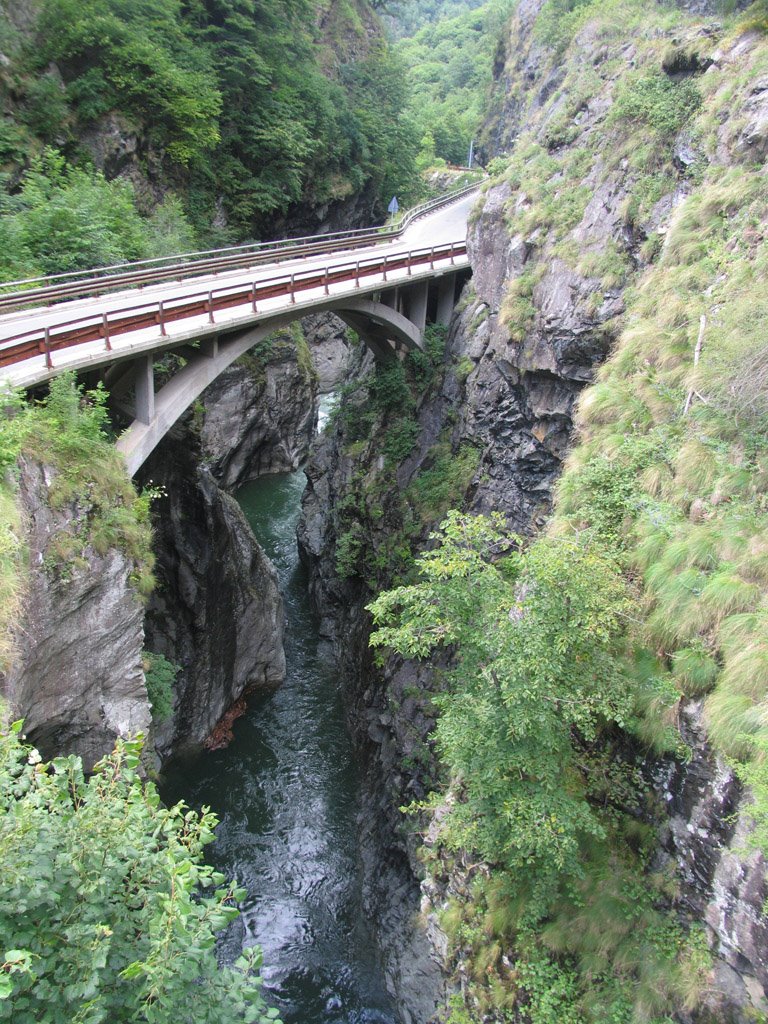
<point x="72" y="701"/>
<point x="562" y="234"/>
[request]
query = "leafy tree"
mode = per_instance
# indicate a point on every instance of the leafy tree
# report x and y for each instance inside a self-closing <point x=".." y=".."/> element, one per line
<point x="137" y="56"/>
<point x="107" y="910"/>
<point x="535" y="639"/>
<point x="66" y="218"/>
<point x="449" y="63"/>
<point x="298" y="124"/>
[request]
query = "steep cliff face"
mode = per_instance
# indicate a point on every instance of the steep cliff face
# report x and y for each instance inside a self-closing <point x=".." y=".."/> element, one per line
<point x="596" y="153"/>
<point x="554" y="243"/>
<point x="216" y="611"/>
<point x="330" y="348"/>
<point x="77" y="681"/>
<point x="353" y="504"/>
<point x="549" y="292"/>
<point x="259" y="416"/>
<point x="706" y="840"/>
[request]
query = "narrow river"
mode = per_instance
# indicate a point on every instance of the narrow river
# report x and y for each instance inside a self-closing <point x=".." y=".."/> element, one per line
<point x="286" y="791"/>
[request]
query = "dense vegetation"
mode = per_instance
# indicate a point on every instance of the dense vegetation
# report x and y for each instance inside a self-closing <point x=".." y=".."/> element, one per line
<point x="378" y="416"/>
<point x="541" y="671"/>
<point x="107" y="910"/>
<point x="236" y="112"/>
<point x="406" y="17"/>
<point x="449" y="60"/>
<point x="64" y="218"/>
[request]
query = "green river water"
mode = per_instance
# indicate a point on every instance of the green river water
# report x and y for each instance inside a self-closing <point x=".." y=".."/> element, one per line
<point x="286" y="791"/>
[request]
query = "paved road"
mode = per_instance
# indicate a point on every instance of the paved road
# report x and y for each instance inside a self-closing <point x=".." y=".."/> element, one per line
<point x="445" y="225"/>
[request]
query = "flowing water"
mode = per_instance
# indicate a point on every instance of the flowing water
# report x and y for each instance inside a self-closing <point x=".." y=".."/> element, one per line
<point x="286" y="792"/>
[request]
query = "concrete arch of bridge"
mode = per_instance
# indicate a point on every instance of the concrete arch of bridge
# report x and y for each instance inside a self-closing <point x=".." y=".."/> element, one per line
<point x="379" y="325"/>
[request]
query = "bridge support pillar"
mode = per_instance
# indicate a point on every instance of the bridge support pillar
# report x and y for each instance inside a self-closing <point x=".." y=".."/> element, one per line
<point x="209" y="347"/>
<point x="391" y="298"/>
<point x="446" y="290"/>
<point x="144" y="388"/>
<point x="417" y="304"/>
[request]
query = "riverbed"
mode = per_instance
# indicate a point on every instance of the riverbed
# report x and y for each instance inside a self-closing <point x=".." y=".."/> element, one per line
<point x="286" y="791"/>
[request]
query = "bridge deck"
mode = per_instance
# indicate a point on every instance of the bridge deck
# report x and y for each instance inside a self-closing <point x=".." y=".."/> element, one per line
<point x="321" y="281"/>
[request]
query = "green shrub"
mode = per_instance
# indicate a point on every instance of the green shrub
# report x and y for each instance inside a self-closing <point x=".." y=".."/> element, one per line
<point x="107" y="909"/>
<point x="160" y="675"/>
<point x="399" y="440"/>
<point x="444" y="484"/>
<point x="526" y="677"/>
<point x="652" y="99"/>
<point x="350" y="547"/>
<point x="389" y="388"/>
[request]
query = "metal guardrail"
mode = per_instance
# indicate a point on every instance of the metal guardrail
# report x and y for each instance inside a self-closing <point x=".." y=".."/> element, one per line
<point x="105" y="326"/>
<point x="80" y="284"/>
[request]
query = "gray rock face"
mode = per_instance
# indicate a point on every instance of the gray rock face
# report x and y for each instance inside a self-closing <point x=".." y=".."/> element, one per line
<point x="78" y="680"/>
<point x="258" y="423"/>
<point x="412" y="963"/>
<point x="388" y="728"/>
<point x="115" y="146"/>
<point x="217" y="611"/>
<point x="329" y="345"/>
<point x="724" y="886"/>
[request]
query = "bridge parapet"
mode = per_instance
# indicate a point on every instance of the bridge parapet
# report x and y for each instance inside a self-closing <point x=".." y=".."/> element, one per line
<point x="386" y="294"/>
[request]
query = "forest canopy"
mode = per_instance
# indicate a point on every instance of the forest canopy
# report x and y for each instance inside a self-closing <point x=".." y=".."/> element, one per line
<point x="449" y="62"/>
<point x="248" y="109"/>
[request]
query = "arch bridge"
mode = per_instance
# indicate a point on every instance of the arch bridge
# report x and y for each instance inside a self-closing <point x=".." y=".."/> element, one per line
<point x="212" y="307"/>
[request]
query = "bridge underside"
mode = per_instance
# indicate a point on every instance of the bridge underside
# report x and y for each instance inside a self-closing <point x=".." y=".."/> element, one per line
<point x="390" y="326"/>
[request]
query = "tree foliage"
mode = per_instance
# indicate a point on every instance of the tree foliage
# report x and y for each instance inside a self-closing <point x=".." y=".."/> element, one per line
<point x="66" y="218"/>
<point x="137" y="56"/>
<point x="248" y="105"/>
<point x="449" y="61"/>
<point x="539" y="680"/>
<point x="535" y="638"/>
<point x="107" y="910"/>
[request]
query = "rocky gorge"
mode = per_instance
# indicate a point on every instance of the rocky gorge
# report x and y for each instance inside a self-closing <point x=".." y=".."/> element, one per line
<point x="578" y="211"/>
<point x="559" y="239"/>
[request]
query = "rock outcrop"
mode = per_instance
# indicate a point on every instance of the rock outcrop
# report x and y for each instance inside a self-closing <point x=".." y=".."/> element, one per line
<point x="259" y="416"/>
<point x="77" y="681"/>
<point x="217" y="611"/>
<point x="724" y="885"/>
<point x="329" y="343"/>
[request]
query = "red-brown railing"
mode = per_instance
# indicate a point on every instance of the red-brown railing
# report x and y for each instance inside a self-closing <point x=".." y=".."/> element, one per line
<point x="47" y="290"/>
<point x="105" y="326"/>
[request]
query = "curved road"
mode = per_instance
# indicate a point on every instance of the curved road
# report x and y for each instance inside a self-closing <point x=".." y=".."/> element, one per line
<point x="445" y="225"/>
